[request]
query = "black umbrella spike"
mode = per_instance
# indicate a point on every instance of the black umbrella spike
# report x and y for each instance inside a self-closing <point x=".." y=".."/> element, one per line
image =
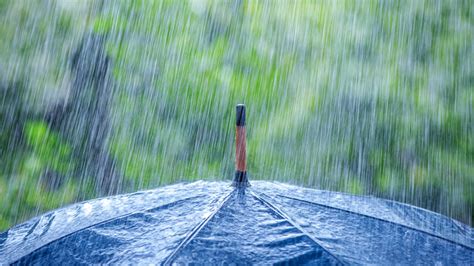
<point x="240" y="179"/>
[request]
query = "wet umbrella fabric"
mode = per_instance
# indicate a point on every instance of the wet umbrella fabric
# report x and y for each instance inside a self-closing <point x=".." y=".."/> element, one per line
<point x="212" y="222"/>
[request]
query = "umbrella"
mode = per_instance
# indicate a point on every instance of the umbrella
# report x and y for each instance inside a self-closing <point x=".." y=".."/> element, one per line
<point x="219" y="223"/>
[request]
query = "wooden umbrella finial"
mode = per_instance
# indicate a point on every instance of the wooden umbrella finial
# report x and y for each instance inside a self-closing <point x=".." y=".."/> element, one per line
<point x="240" y="178"/>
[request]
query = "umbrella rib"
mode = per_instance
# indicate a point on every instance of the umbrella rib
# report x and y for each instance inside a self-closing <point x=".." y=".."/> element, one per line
<point x="379" y="219"/>
<point x="294" y="224"/>
<point x="197" y="229"/>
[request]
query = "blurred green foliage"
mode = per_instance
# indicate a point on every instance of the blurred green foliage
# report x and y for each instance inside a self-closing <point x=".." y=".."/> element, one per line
<point x="367" y="97"/>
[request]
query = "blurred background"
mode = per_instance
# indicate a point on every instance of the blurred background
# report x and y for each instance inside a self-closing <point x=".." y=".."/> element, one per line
<point x="106" y="97"/>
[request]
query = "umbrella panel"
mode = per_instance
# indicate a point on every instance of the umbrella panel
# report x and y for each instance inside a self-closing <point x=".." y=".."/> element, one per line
<point x="247" y="231"/>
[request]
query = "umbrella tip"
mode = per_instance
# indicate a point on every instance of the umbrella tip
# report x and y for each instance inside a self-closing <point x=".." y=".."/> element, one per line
<point x="240" y="178"/>
<point x="240" y="115"/>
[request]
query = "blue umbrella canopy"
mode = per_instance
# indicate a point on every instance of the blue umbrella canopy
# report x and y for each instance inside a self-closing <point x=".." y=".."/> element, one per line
<point x="213" y="222"/>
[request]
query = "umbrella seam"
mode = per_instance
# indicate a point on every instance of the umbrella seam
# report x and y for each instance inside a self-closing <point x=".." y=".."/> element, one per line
<point x="388" y="201"/>
<point x="294" y="224"/>
<point x="379" y="219"/>
<point x="196" y="230"/>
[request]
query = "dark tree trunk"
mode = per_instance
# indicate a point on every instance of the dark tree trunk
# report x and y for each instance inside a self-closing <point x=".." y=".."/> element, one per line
<point x="84" y="119"/>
